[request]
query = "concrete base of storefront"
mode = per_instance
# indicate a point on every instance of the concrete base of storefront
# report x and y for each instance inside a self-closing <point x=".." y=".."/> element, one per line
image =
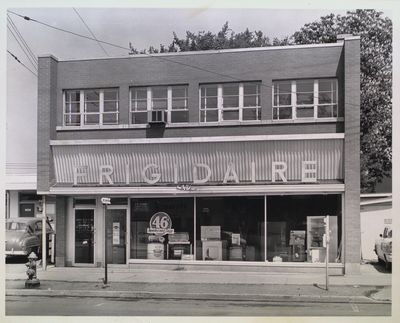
<point x="352" y="268"/>
<point x="309" y="268"/>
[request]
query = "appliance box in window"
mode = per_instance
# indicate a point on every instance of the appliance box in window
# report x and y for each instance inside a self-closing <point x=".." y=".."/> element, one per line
<point x="212" y="250"/>
<point x="210" y="232"/>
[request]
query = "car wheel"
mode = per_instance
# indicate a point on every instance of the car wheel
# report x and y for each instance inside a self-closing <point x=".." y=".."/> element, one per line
<point x="387" y="265"/>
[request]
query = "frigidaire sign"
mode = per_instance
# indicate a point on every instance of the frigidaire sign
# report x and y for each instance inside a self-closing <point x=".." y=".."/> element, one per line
<point x="200" y="173"/>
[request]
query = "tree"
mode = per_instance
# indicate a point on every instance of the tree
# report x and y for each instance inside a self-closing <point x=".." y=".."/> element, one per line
<point x="375" y="33"/>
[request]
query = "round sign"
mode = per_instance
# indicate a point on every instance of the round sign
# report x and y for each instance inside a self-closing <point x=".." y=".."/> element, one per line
<point x="160" y="223"/>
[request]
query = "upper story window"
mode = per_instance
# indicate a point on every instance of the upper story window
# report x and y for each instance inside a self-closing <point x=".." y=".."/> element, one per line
<point x="230" y="102"/>
<point x="302" y="99"/>
<point x="91" y="107"/>
<point x="173" y="100"/>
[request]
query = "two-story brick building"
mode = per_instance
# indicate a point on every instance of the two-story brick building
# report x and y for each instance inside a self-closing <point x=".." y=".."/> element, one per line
<point x="211" y="159"/>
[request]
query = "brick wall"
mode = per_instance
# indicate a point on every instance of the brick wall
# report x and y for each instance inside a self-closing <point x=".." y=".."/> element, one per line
<point x="352" y="236"/>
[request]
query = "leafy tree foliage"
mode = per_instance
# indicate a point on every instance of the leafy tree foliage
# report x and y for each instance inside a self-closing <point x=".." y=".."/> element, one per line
<point x="375" y="33"/>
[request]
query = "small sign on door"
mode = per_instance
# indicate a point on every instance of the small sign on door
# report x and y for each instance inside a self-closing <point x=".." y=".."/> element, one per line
<point x="116" y="233"/>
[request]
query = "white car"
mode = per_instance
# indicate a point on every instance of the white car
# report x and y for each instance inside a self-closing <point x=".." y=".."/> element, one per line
<point x="383" y="247"/>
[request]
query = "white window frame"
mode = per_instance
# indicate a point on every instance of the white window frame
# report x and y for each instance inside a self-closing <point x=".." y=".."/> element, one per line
<point x="315" y="104"/>
<point x="82" y="112"/>
<point x="149" y="104"/>
<point x="220" y="105"/>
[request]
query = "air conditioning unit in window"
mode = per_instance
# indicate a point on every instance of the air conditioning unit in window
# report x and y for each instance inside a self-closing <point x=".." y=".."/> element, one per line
<point x="157" y="116"/>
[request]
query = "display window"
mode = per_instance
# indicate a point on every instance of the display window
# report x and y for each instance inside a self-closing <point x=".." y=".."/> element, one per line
<point x="230" y="228"/>
<point x="162" y="228"/>
<point x="296" y="226"/>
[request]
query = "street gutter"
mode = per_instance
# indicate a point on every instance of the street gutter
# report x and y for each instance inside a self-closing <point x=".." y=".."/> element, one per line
<point x="195" y="296"/>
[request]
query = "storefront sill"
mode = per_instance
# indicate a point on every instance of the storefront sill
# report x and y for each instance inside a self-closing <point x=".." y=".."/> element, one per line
<point x="234" y="263"/>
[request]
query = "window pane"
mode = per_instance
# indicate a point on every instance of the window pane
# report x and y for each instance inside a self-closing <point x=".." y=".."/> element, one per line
<point x="140" y="105"/>
<point x="149" y="246"/>
<point x="209" y="116"/>
<point x="73" y="107"/>
<point x="92" y="119"/>
<point x="230" y="115"/>
<point x="111" y="95"/>
<point x="92" y="107"/>
<point x="211" y="103"/>
<point x="209" y="91"/>
<point x="92" y="96"/>
<point x="110" y="106"/>
<point x="327" y="85"/>
<point x="249" y="88"/>
<point x="328" y="111"/>
<point x="305" y="86"/>
<point x="139" y="93"/>
<point x="230" y="89"/>
<point x="249" y="114"/>
<point x="72" y="120"/>
<point x="250" y="101"/>
<point x="305" y="98"/>
<point x="139" y="118"/>
<point x="179" y="103"/>
<point x="275" y="113"/>
<point x="325" y="97"/>
<point x="232" y="101"/>
<point x="179" y="92"/>
<point x="285" y="113"/>
<point x="285" y="99"/>
<point x="159" y="104"/>
<point x="230" y="228"/>
<point x="305" y="112"/>
<point x="179" y="116"/>
<point x="283" y="87"/>
<point x="159" y="92"/>
<point x="110" y="118"/>
<point x="298" y="236"/>
<point x="72" y="96"/>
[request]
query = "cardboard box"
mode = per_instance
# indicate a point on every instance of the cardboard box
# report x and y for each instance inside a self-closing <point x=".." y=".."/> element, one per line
<point x="210" y="232"/>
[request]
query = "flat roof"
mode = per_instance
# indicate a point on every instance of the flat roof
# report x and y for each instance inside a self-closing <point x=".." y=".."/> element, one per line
<point x="204" y="52"/>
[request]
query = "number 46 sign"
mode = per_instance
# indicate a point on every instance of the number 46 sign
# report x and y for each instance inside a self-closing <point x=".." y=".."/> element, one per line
<point x="160" y="224"/>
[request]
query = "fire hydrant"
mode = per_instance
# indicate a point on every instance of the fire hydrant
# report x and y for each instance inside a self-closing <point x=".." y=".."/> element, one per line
<point x="32" y="280"/>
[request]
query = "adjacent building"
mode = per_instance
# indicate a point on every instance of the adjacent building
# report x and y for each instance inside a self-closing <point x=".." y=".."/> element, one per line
<point x="209" y="159"/>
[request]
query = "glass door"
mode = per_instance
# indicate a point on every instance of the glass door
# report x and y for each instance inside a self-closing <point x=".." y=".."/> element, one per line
<point x="84" y="236"/>
<point x="116" y="236"/>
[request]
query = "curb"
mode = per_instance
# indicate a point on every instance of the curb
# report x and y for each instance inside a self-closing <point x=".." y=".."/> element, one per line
<point x="195" y="296"/>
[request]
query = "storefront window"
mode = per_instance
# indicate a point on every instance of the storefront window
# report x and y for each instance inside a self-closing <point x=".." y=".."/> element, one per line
<point x="162" y="228"/>
<point x="296" y="227"/>
<point x="230" y="228"/>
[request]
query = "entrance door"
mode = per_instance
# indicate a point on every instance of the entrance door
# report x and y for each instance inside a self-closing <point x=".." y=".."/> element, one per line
<point x="116" y="236"/>
<point x="84" y="237"/>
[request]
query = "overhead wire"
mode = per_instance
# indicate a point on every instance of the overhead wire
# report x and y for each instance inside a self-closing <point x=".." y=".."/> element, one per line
<point x="149" y="55"/>
<point x="22" y="38"/>
<point x="83" y="21"/>
<point x="17" y="59"/>
<point x="22" y="48"/>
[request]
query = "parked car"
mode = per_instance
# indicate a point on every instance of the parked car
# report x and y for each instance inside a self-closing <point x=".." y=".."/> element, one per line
<point x="24" y="235"/>
<point x="383" y="247"/>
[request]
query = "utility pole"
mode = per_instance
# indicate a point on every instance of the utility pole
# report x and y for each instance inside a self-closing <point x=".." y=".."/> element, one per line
<point x="44" y="236"/>
<point x="326" y="241"/>
<point x="105" y="201"/>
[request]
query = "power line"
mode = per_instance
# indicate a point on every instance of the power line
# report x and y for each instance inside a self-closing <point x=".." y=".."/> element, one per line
<point x="101" y="46"/>
<point x="16" y="58"/>
<point x="21" y="37"/>
<point x="22" y="47"/>
<point x="149" y="55"/>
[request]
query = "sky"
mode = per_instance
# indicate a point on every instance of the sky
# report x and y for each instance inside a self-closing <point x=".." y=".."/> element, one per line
<point x="141" y="27"/>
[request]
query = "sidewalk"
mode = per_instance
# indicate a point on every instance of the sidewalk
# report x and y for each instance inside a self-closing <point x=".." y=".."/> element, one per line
<point x="369" y="286"/>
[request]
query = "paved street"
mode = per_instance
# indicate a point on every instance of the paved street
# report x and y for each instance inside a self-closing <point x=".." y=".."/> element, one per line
<point x="120" y="307"/>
